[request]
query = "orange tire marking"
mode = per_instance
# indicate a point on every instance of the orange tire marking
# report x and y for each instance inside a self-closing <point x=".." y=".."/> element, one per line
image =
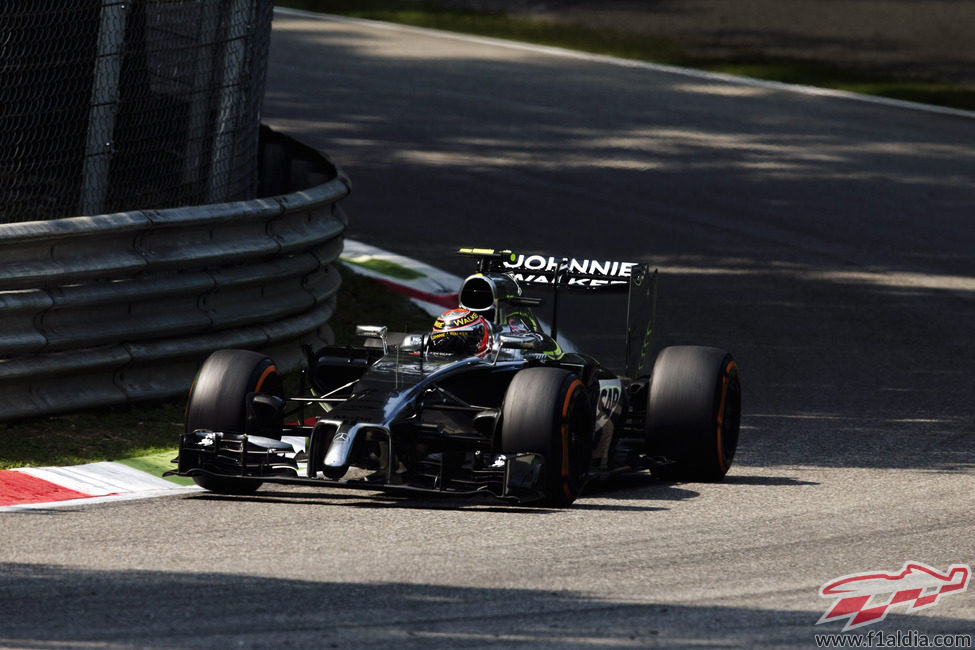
<point x="267" y="373"/>
<point x="565" y="439"/>
<point x="720" y="418"/>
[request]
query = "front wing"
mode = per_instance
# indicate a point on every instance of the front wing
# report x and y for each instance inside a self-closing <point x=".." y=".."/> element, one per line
<point x="250" y="458"/>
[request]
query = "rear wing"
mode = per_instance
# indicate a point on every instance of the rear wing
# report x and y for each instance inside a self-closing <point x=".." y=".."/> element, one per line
<point x="585" y="275"/>
<point x="574" y="274"/>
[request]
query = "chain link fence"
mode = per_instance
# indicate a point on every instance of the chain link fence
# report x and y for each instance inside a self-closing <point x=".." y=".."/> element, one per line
<point x="113" y="105"/>
<point x="146" y="216"/>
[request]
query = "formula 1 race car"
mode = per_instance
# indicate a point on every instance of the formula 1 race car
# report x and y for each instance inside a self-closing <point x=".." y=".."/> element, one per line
<point x="485" y="402"/>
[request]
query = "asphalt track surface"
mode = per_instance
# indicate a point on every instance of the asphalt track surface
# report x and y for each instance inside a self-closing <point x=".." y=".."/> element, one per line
<point x="828" y="243"/>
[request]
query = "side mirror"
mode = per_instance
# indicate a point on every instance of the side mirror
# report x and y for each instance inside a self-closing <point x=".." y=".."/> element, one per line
<point x="519" y="341"/>
<point x="413" y="343"/>
<point x="373" y="332"/>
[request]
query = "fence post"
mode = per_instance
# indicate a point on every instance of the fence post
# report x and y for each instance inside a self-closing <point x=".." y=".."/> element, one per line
<point x="103" y="107"/>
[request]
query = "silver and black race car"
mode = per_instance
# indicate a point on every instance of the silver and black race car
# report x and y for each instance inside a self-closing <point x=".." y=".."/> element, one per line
<point x="487" y="402"/>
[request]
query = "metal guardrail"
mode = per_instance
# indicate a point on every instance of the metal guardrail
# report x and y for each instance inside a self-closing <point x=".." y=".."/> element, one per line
<point x="122" y="307"/>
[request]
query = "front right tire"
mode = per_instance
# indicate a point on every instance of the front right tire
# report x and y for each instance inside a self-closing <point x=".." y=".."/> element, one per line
<point x="218" y="402"/>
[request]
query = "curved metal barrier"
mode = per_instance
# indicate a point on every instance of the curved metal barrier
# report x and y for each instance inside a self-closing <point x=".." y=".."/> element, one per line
<point x="122" y="307"/>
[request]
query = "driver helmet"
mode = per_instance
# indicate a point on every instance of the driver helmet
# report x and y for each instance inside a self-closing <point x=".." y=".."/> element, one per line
<point x="461" y="331"/>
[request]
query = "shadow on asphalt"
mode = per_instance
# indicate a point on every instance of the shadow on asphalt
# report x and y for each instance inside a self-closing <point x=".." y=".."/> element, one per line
<point x="47" y="606"/>
<point x="624" y="493"/>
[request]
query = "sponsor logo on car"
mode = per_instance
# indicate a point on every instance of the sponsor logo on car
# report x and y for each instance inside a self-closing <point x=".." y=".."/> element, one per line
<point x="610" y="393"/>
<point x="537" y="269"/>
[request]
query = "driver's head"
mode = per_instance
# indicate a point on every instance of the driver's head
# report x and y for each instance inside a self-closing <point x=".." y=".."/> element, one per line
<point x="461" y="331"/>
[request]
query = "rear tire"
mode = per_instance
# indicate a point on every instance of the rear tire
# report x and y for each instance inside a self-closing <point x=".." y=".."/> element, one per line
<point x="694" y="412"/>
<point x="547" y="411"/>
<point x="218" y="401"/>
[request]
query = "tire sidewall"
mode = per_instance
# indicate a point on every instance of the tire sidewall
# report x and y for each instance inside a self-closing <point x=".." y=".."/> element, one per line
<point x="217" y="398"/>
<point x="548" y="411"/>
<point x="693" y="412"/>
<point x="217" y="401"/>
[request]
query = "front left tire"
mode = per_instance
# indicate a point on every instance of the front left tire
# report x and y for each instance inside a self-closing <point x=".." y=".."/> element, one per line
<point x="547" y="411"/>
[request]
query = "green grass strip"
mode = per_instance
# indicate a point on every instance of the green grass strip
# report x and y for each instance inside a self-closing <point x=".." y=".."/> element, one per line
<point x="156" y="464"/>
<point x="386" y="267"/>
